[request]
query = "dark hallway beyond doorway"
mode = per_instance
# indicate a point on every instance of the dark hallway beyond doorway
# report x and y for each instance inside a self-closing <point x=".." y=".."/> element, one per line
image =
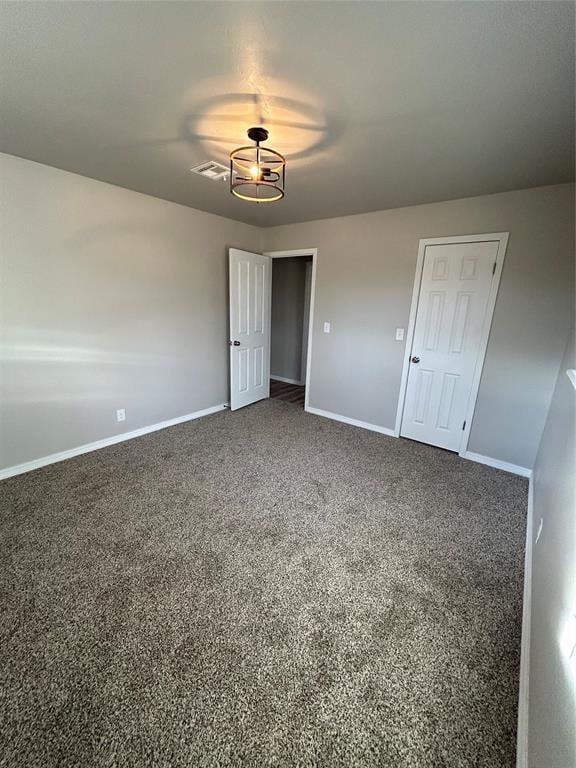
<point x="290" y="393"/>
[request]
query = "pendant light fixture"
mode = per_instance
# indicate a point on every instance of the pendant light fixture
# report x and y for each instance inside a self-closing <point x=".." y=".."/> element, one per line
<point x="257" y="174"/>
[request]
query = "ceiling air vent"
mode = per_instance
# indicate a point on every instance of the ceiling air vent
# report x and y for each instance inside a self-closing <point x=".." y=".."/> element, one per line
<point x="212" y="170"/>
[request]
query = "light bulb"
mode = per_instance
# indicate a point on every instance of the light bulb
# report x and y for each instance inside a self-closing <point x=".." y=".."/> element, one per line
<point x="255" y="171"/>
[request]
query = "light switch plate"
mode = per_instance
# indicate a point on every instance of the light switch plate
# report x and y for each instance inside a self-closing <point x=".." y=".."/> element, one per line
<point x="326" y="327"/>
<point x="399" y="334"/>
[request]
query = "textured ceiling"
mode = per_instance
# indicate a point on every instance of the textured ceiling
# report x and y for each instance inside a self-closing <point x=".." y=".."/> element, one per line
<point x="376" y="104"/>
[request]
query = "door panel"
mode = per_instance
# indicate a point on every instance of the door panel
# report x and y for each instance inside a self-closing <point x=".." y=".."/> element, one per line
<point x="259" y="289"/>
<point x="250" y="275"/>
<point x="258" y="366"/>
<point x="423" y="385"/>
<point x="452" y="306"/>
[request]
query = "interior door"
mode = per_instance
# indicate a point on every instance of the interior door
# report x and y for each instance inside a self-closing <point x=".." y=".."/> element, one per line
<point x="250" y="284"/>
<point x="452" y="306"/>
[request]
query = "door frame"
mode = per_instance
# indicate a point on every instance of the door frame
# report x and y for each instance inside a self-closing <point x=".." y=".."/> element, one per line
<point x="306" y="331"/>
<point x="502" y="239"/>
<point x="286" y="255"/>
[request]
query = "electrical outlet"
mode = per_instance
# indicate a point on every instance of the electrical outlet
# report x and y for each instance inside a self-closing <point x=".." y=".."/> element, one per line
<point x="399" y="334"/>
<point x="326" y="327"/>
<point x="539" y="532"/>
<point x="121" y="414"/>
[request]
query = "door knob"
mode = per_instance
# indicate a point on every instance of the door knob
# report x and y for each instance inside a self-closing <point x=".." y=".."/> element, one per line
<point x="236" y="343"/>
<point x="415" y="359"/>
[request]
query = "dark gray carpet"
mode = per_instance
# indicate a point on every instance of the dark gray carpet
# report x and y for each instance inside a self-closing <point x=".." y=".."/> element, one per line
<point x="261" y="588"/>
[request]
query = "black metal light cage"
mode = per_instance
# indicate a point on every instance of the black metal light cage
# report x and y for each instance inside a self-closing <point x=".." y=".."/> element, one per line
<point x="257" y="174"/>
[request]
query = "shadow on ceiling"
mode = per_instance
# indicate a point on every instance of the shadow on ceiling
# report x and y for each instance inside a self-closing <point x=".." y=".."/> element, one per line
<point x="218" y="124"/>
<point x="297" y="130"/>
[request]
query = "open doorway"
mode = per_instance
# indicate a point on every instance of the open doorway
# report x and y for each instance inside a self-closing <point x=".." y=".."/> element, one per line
<point x="292" y="277"/>
<point x="251" y="307"/>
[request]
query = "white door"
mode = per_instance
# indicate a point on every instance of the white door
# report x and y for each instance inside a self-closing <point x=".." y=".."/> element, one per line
<point x="249" y="327"/>
<point x="452" y="307"/>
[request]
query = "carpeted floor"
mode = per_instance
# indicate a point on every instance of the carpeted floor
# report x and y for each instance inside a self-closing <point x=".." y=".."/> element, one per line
<point x="261" y="588"/>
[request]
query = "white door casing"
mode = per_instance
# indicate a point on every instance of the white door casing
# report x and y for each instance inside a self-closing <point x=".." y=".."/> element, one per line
<point x="287" y="255"/>
<point x="250" y="292"/>
<point x="306" y="322"/>
<point x="454" y="305"/>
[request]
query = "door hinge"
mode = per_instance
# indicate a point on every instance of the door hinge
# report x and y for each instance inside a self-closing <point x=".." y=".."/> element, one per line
<point x="464" y="426"/>
<point x="494" y="268"/>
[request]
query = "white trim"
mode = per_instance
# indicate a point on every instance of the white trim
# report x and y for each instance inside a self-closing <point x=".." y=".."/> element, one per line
<point x="571" y="373"/>
<point x="477" y="457"/>
<point x="515" y="469"/>
<point x="287" y="381"/>
<point x="291" y="254"/>
<point x="310" y="329"/>
<point x="306" y="319"/>
<point x="502" y="239"/>
<point x="523" y="693"/>
<point x="28" y="466"/>
<point x="304" y="252"/>
<point x="352" y="422"/>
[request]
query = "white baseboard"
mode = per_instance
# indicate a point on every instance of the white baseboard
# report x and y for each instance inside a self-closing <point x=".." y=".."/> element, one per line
<point x="479" y="458"/>
<point x="352" y="422"/>
<point x="515" y="469"/>
<point x="28" y="466"/>
<point x="522" y="737"/>
<point x="287" y="381"/>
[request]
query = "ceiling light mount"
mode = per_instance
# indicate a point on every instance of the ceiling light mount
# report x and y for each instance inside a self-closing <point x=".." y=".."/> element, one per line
<point x="258" y="134"/>
<point x="257" y="174"/>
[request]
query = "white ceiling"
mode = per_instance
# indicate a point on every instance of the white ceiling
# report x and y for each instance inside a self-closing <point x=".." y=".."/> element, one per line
<point x="376" y="104"/>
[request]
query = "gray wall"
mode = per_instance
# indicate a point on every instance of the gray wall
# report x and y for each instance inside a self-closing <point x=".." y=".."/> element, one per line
<point x="288" y="284"/>
<point x="112" y="299"/>
<point x="365" y="275"/>
<point x="552" y="688"/>
<point x="109" y="299"/>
